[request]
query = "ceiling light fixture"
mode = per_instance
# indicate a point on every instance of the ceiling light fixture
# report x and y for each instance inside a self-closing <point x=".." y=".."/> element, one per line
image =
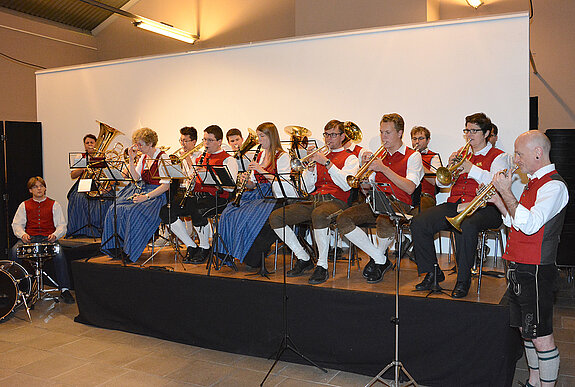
<point x="166" y="30"/>
<point x="475" y="3"/>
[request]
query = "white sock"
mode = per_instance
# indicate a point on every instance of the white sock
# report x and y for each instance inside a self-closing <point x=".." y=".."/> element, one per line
<point x="204" y="236"/>
<point x="179" y="229"/>
<point x="531" y="355"/>
<point x="548" y="365"/>
<point x="359" y="238"/>
<point x="321" y="236"/>
<point x="292" y="242"/>
<point x="189" y="227"/>
<point x="383" y="244"/>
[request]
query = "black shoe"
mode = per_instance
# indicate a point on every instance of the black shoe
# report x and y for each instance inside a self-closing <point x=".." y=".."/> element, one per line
<point x="379" y="270"/>
<point x="461" y="289"/>
<point x="191" y="252"/>
<point x="319" y="276"/>
<point x="67" y="297"/>
<point x="201" y="256"/>
<point x="300" y="268"/>
<point x="427" y="282"/>
<point x="369" y="268"/>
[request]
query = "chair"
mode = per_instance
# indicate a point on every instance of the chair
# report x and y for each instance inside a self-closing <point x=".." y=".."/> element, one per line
<point x="496" y="233"/>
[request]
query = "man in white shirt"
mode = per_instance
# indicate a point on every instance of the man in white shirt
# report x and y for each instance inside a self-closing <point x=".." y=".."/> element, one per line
<point x="40" y="219"/>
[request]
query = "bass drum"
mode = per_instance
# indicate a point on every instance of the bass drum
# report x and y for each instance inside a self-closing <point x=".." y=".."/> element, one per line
<point x="16" y="286"/>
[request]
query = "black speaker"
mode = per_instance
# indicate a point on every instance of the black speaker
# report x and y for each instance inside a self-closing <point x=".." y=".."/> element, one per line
<point x="20" y="159"/>
<point x="562" y="145"/>
<point x="533" y="113"/>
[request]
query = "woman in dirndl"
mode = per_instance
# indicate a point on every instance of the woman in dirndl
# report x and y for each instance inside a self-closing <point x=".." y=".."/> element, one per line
<point x="138" y="206"/>
<point x="245" y="229"/>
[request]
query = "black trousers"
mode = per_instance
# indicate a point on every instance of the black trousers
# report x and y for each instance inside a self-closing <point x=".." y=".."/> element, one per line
<point x="425" y="225"/>
<point x="199" y="207"/>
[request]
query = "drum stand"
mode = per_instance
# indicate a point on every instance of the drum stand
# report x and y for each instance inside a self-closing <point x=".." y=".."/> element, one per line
<point x="39" y="274"/>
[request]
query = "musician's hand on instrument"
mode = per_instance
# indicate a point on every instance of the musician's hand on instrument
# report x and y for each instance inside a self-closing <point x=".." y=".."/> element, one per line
<point x="320" y="158"/>
<point x="465" y="167"/>
<point x="132" y="151"/>
<point x="452" y="158"/>
<point x="365" y="157"/>
<point x="254" y="166"/>
<point x="496" y="199"/>
<point x="26" y="238"/>
<point x="462" y="206"/>
<point x="502" y="181"/>
<point x="52" y="238"/>
<point x="377" y="166"/>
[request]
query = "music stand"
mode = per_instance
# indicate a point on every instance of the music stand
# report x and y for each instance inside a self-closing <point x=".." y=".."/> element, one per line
<point x="217" y="176"/>
<point x="381" y="205"/>
<point x="284" y="181"/>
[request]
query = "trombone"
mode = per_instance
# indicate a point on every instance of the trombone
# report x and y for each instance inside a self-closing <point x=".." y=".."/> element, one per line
<point x="449" y="175"/>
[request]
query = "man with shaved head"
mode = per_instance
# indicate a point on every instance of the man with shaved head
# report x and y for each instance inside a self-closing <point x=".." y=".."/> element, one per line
<point x="535" y="223"/>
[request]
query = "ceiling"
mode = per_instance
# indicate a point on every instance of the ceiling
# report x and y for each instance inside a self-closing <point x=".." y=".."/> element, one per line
<point x="72" y="13"/>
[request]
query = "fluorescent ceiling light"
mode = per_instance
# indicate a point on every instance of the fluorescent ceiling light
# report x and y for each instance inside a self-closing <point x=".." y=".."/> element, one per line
<point x="166" y="30"/>
<point x="475" y="3"/>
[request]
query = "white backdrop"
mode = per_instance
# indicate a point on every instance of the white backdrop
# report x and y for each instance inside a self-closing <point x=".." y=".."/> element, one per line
<point x="433" y="74"/>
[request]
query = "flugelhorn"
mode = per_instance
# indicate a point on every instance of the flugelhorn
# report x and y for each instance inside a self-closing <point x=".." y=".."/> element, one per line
<point x="363" y="173"/>
<point x="478" y="202"/>
<point x="449" y="175"/>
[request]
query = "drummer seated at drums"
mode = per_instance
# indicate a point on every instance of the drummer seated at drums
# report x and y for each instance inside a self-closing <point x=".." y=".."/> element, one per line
<point x="41" y="220"/>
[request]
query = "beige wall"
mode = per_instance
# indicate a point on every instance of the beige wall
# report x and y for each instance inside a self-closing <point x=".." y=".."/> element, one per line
<point x="229" y="22"/>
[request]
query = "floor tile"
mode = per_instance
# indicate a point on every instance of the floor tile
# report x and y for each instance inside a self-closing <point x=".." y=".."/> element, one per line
<point x="136" y="379"/>
<point x="243" y="377"/>
<point x="201" y="373"/>
<point x="51" y="366"/>
<point x="91" y="374"/>
<point x="157" y="365"/>
<point x="305" y="372"/>
<point x="83" y="348"/>
<point x="21" y="356"/>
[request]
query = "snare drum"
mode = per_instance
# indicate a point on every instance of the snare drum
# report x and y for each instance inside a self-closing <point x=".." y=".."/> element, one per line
<point x="16" y="285"/>
<point x="38" y="250"/>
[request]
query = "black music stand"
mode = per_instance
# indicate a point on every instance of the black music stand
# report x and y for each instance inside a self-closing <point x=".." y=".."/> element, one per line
<point x="287" y="342"/>
<point x="217" y="176"/>
<point x="381" y="205"/>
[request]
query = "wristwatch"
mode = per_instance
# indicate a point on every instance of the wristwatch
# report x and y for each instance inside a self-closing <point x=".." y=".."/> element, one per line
<point x="327" y="163"/>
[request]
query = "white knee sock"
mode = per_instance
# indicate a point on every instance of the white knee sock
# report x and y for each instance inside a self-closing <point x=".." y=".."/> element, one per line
<point x="204" y="236"/>
<point x="179" y="229"/>
<point x="531" y="355"/>
<point x="321" y="236"/>
<point x="548" y="365"/>
<point x="382" y="245"/>
<point x="292" y="242"/>
<point x="359" y="238"/>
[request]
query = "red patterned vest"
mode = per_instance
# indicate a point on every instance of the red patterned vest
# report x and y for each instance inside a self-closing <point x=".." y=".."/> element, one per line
<point x="270" y="168"/>
<point x="356" y="151"/>
<point x="151" y="175"/>
<point x="539" y="248"/>
<point x="398" y="164"/>
<point x="211" y="159"/>
<point x="466" y="188"/>
<point x="427" y="187"/>
<point x="324" y="184"/>
<point x="39" y="217"/>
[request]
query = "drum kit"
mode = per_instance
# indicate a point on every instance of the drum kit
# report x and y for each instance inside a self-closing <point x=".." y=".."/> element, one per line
<point x="21" y="284"/>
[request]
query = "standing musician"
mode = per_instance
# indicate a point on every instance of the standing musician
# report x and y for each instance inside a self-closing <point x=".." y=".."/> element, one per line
<point x="479" y="168"/>
<point x="40" y="219"/>
<point x="402" y="169"/>
<point x="202" y="199"/>
<point x="535" y="223"/>
<point x="420" y="137"/>
<point x="138" y="207"/>
<point x="85" y="214"/>
<point x="245" y="230"/>
<point x="328" y="176"/>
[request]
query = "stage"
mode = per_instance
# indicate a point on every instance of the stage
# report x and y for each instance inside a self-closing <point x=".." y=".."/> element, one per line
<point x="342" y="324"/>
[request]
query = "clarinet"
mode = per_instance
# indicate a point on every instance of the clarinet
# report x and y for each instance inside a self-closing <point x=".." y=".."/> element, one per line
<point x="192" y="184"/>
<point x="243" y="185"/>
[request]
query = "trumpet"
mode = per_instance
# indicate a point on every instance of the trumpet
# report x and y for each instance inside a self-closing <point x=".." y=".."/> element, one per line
<point x="176" y="158"/>
<point x="363" y="173"/>
<point x="299" y="165"/>
<point x="478" y="202"/>
<point x="449" y="175"/>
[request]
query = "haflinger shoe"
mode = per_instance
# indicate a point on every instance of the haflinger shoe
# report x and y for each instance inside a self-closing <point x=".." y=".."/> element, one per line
<point x="190" y="253"/>
<point x="201" y="256"/>
<point x="319" y="276"/>
<point x="379" y="270"/>
<point x="300" y="268"/>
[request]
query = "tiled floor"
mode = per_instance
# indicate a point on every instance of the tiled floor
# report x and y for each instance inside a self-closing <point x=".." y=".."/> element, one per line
<point x="53" y="350"/>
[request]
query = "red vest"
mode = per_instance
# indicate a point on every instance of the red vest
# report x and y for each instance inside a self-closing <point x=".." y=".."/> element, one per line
<point x="39" y="217"/>
<point x="539" y="248"/>
<point x="398" y="164"/>
<point x="356" y="151"/>
<point x="466" y="188"/>
<point x="270" y="168"/>
<point x="211" y="159"/>
<point x="151" y="175"/>
<point x="427" y="187"/>
<point x="324" y="184"/>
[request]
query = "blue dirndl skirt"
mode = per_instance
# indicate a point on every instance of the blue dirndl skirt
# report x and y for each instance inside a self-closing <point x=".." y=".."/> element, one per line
<point x="136" y="222"/>
<point x="85" y="214"/>
<point x="239" y="226"/>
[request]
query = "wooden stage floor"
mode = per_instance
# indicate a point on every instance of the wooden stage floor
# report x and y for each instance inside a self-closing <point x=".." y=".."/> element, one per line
<point x="492" y="289"/>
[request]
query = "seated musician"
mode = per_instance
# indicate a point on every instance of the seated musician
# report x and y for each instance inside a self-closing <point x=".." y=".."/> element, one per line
<point x="245" y="230"/>
<point x="331" y="193"/>
<point x="85" y="214"/>
<point x="479" y="168"/>
<point x="401" y="168"/>
<point x="200" y="203"/>
<point x="138" y="207"/>
<point x="39" y="220"/>
<point x="420" y="137"/>
<point x="235" y="139"/>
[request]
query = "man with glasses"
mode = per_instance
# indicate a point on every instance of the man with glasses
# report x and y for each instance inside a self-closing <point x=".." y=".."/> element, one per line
<point x="326" y="180"/>
<point x="401" y="170"/>
<point x="484" y="162"/>
<point x="420" y="137"/>
<point x="535" y="223"/>
<point x="203" y="199"/>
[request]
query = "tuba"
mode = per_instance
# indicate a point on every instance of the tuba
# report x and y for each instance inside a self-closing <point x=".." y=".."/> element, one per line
<point x="449" y="175"/>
